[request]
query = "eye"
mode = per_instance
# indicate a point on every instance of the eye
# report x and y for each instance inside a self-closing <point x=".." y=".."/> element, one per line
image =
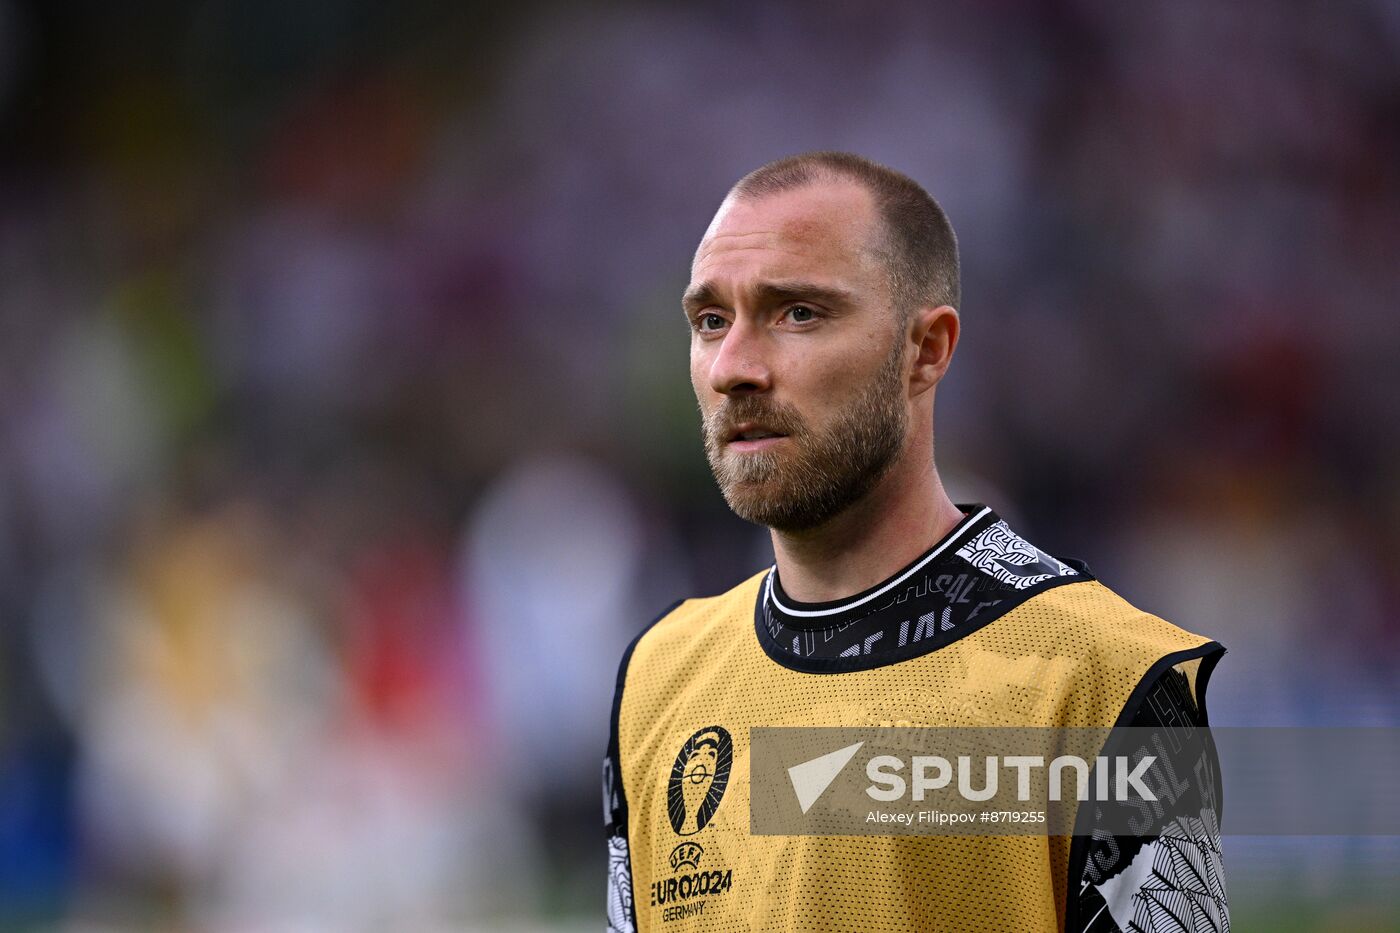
<point x="801" y="314"/>
<point x="710" y="321"/>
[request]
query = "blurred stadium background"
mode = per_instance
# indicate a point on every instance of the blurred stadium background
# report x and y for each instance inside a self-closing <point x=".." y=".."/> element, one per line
<point x="346" y="436"/>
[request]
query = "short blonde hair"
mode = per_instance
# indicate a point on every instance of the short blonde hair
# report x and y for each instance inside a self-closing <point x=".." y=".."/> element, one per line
<point x="921" y="247"/>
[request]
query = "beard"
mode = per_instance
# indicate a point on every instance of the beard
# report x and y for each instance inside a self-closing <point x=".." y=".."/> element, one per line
<point x="823" y="472"/>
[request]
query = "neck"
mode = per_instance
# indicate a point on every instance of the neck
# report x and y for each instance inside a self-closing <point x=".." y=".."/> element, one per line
<point x="905" y="514"/>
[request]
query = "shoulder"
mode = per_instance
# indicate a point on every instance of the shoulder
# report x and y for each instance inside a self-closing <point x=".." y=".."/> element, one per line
<point x="1117" y="650"/>
<point x="1101" y="622"/>
<point x="687" y="619"/>
<point x="688" y="628"/>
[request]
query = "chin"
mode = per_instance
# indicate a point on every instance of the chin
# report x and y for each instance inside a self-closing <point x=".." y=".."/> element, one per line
<point x="769" y="511"/>
<point x="748" y="501"/>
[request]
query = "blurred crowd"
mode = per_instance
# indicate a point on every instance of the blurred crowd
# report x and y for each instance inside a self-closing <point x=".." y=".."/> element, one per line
<point x="346" y="435"/>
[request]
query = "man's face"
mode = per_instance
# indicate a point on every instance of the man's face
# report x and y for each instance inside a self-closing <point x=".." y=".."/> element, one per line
<point x="796" y="354"/>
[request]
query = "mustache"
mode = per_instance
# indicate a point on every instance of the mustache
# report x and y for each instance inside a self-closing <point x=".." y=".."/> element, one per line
<point x="777" y="417"/>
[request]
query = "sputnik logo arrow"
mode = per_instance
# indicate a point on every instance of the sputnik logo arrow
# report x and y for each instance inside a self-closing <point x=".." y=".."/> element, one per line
<point x="811" y="778"/>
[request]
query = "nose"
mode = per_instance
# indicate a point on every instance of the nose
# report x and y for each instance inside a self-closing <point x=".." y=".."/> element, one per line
<point x="739" y="366"/>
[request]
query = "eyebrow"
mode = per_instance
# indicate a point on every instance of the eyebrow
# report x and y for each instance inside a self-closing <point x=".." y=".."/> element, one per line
<point x="702" y="294"/>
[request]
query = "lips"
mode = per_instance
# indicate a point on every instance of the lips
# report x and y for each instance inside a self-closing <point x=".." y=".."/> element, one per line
<point x="750" y="431"/>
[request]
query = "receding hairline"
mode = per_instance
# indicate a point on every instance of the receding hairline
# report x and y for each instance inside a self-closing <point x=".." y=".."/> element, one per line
<point x="914" y="236"/>
<point x="740" y="195"/>
<point x="875" y="242"/>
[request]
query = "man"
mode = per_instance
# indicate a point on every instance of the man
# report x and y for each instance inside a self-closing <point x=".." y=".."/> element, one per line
<point x="822" y="307"/>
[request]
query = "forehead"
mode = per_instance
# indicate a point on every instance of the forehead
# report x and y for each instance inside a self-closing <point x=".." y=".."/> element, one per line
<point x="824" y="229"/>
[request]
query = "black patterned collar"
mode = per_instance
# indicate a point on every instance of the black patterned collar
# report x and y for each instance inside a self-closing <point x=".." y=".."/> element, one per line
<point x="977" y="571"/>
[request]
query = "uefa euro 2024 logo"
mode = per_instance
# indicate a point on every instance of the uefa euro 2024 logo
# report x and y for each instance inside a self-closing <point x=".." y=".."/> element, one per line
<point x="698" y="779"/>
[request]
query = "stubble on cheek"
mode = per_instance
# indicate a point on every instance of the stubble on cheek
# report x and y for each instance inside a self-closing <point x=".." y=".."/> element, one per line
<point x="760" y="486"/>
<point x="734" y="469"/>
<point x="815" y="474"/>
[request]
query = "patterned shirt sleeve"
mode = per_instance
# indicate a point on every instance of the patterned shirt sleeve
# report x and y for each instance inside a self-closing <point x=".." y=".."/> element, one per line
<point x="621" y="915"/>
<point x="1170" y="879"/>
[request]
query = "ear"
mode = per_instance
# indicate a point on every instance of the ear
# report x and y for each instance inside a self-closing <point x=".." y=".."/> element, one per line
<point x="934" y="331"/>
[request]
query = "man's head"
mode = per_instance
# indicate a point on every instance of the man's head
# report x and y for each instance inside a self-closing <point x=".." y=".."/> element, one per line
<point x="821" y="304"/>
<point x="914" y="240"/>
